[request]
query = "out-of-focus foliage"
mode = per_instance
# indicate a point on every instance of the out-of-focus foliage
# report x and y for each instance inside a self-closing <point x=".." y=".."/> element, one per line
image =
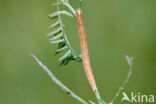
<point x="113" y="28"/>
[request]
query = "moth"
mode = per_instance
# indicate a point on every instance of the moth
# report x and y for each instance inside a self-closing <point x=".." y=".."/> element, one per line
<point x="84" y="49"/>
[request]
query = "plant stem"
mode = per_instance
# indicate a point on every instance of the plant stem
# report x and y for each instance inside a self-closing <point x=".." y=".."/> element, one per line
<point x="60" y="84"/>
<point x="121" y="88"/>
<point x="80" y="4"/>
<point x="98" y="97"/>
<point x="123" y="85"/>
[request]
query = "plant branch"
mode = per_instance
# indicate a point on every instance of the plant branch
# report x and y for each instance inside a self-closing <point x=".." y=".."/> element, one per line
<point x="60" y="84"/>
<point x="130" y="62"/>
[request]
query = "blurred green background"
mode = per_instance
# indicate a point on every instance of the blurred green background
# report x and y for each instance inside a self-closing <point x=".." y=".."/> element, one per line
<point x="113" y="27"/>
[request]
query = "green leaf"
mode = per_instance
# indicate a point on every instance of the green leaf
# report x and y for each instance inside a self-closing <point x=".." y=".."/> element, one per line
<point x="60" y="36"/>
<point x="60" y="45"/>
<point x="57" y="41"/>
<point x="70" y="58"/>
<point x="67" y="60"/>
<point x="57" y="36"/>
<point x="61" y="49"/>
<point x="55" y="24"/>
<point x="65" y="55"/>
<point x="55" y="32"/>
<point x="61" y="12"/>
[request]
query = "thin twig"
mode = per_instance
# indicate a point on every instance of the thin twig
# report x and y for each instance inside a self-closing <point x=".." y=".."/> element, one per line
<point x="121" y="88"/>
<point x="60" y="84"/>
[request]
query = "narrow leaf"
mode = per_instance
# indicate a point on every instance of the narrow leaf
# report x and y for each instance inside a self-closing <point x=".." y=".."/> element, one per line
<point x="65" y="55"/>
<point x="60" y="12"/>
<point x="57" y="41"/>
<point x="54" y="32"/>
<point x="57" y="36"/>
<point x="67" y="60"/>
<point x="61" y="49"/>
<point x="54" y="25"/>
<point x="60" y="45"/>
